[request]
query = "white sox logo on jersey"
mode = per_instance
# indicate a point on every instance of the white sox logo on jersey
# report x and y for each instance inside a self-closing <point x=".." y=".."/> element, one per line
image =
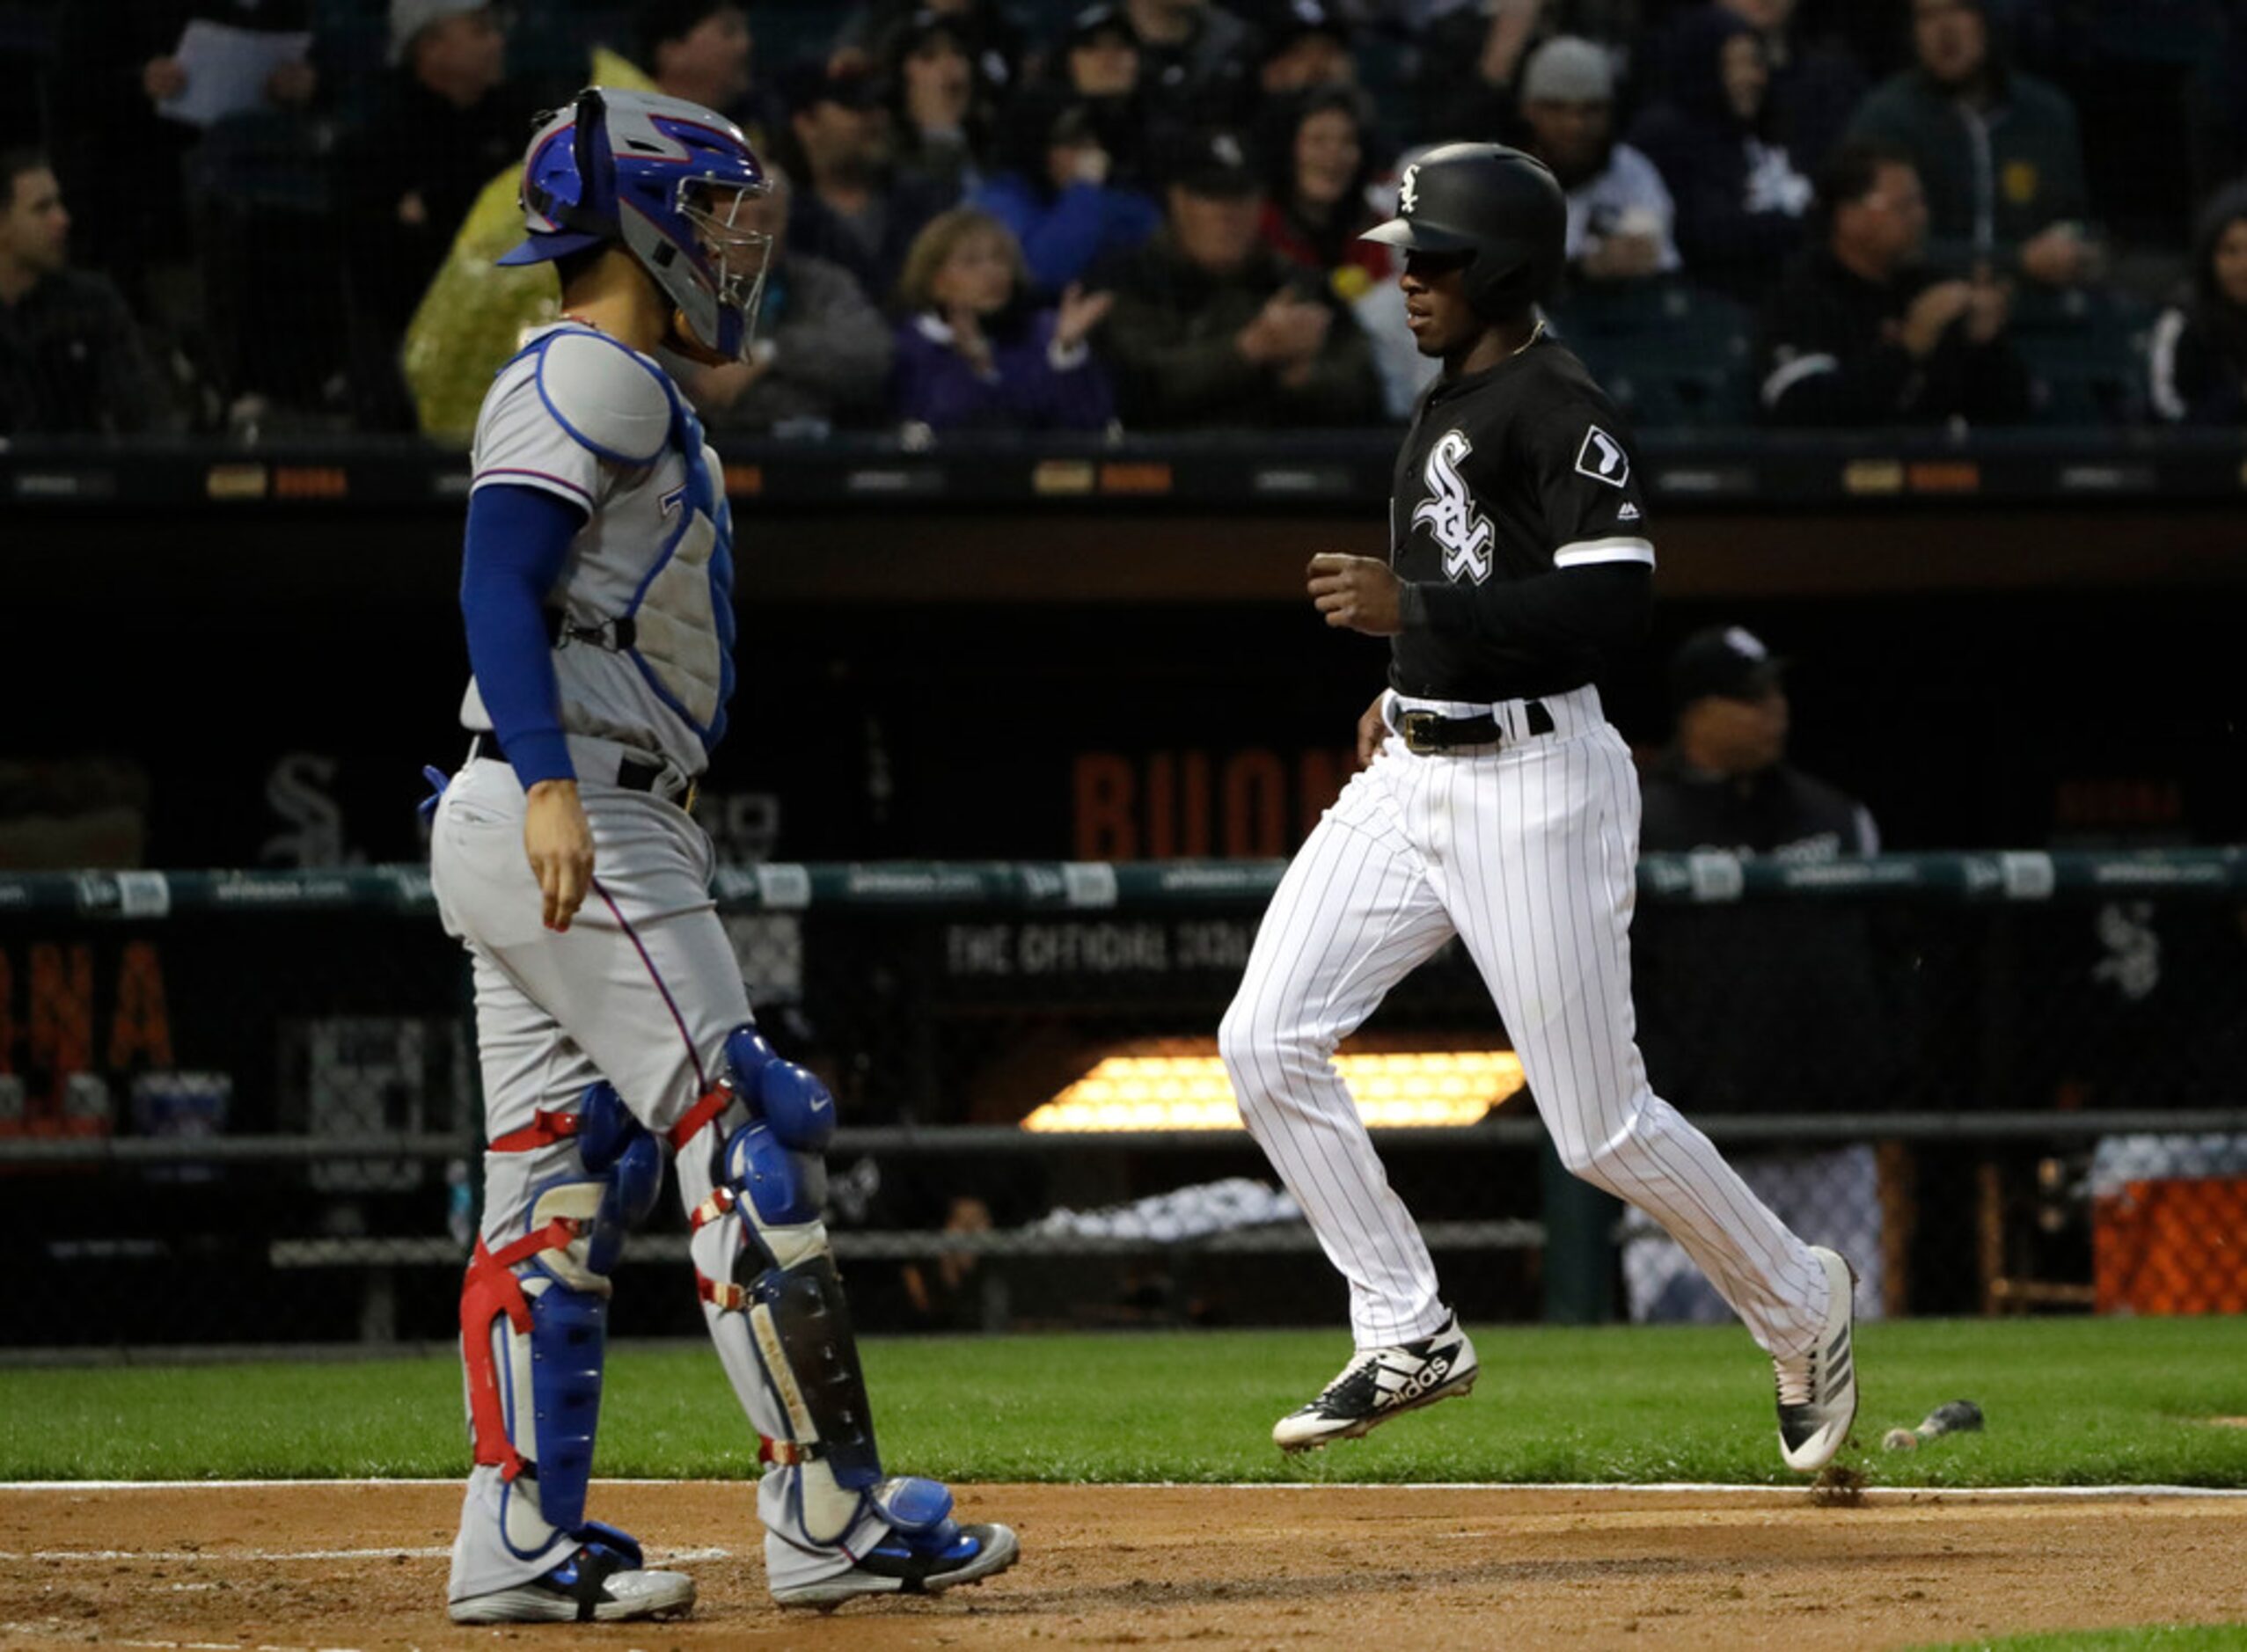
<point x="1602" y="459"/>
<point x="1449" y="512"/>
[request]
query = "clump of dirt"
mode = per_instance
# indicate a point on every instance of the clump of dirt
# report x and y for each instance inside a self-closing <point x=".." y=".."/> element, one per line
<point x="1838" y="1485"/>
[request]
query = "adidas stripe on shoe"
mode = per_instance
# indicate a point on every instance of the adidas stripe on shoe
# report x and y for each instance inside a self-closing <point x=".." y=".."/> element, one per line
<point x="1382" y="1383"/>
<point x="1818" y="1390"/>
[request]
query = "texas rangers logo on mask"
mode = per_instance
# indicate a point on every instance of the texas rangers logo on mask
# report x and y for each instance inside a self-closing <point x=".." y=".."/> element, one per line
<point x="1407" y="190"/>
<point x="1449" y="513"/>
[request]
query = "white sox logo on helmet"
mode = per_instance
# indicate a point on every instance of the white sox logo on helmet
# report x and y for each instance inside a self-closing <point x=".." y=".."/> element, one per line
<point x="1407" y="190"/>
<point x="1449" y="512"/>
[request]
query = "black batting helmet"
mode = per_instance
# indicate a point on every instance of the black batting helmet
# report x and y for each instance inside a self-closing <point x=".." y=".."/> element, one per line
<point x="1495" y="203"/>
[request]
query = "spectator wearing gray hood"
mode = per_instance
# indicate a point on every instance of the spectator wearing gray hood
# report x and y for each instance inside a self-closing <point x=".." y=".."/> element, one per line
<point x="1619" y="214"/>
<point x="1740" y="198"/>
<point x="2197" y="357"/>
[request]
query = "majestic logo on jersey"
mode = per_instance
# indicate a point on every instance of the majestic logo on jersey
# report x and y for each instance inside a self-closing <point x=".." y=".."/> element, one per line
<point x="1449" y="513"/>
<point x="1408" y="191"/>
<point x="1602" y="459"/>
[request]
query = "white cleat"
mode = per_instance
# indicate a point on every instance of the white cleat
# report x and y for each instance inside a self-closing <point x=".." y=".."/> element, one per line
<point x="1818" y="1390"/>
<point x="1382" y="1383"/>
<point x="592" y="1586"/>
<point x="968" y="1556"/>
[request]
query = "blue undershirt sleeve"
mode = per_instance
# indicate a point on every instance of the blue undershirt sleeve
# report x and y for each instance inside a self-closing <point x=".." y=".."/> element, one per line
<point x="518" y="538"/>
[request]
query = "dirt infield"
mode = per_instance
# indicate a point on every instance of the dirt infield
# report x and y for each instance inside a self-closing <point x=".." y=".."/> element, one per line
<point x="363" y="1566"/>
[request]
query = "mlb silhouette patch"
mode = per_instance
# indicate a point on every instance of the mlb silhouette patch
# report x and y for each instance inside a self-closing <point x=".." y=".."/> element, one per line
<point x="1602" y="459"/>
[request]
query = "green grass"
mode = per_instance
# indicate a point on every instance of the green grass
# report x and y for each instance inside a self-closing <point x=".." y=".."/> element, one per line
<point x="2167" y="1637"/>
<point x="2070" y="1402"/>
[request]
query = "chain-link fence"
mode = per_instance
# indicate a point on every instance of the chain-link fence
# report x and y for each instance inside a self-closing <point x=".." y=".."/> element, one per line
<point x="241" y="1108"/>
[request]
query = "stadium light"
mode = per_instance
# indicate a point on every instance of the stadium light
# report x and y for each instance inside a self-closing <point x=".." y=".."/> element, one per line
<point x="1395" y="1089"/>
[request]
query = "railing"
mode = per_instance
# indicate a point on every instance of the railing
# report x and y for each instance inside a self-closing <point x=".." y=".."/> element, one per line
<point x="1216" y="470"/>
<point x="1707" y="878"/>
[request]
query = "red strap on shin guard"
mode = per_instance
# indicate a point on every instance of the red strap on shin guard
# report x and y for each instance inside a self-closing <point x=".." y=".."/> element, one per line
<point x="713" y="1101"/>
<point x="543" y="1130"/>
<point x="721" y="1202"/>
<point x="730" y="1298"/>
<point x="489" y="1290"/>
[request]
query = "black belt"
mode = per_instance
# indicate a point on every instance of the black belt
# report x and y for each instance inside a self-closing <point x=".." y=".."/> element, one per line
<point x="1425" y="732"/>
<point x="634" y="774"/>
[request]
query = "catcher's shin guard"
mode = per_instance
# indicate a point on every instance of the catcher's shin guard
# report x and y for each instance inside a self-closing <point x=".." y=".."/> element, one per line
<point x="751" y="1174"/>
<point x="534" y="1316"/>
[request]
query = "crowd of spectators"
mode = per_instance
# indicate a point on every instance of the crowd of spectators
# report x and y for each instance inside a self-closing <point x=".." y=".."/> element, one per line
<point x="1143" y="214"/>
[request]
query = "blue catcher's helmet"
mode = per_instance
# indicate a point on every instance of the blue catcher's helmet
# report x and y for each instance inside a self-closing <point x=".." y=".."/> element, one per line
<point x="668" y="180"/>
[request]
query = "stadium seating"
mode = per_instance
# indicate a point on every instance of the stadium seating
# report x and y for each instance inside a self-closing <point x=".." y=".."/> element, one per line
<point x="2086" y="353"/>
<point x="1669" y="353"/>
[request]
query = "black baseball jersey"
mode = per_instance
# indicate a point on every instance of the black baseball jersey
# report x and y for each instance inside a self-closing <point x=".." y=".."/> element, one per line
<point x="1516" y="523"/>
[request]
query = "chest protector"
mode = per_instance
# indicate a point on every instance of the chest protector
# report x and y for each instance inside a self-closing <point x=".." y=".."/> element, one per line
<point x="651" y="577"/>
<point x="680" y="621"/>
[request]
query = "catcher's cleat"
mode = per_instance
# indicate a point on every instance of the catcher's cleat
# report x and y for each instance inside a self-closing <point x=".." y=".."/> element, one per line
<point x="1382" y="1383"/>
<point x="603" y="1582"/>
<point x="904" y="1564"/>
<point x="1818" y="1390"/>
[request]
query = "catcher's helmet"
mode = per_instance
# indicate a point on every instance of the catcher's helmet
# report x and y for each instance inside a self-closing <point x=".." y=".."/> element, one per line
<point x="665" y="177"/>
<point x="1497" y="204"/>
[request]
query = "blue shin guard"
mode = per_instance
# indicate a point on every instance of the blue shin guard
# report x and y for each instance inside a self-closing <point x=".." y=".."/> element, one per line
<point x="534" y="1313"/>
<point x="767" y="1259"/>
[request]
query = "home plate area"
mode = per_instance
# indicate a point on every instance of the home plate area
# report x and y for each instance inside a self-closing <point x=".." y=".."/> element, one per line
<point x="363" y="1565"/>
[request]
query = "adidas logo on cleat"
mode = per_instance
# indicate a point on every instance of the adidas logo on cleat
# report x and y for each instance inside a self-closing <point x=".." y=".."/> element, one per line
<point x="1379" y="1383"/>
<point x="1429" y="1376"/>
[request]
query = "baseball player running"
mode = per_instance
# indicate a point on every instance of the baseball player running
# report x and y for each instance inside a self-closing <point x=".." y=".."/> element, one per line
<point x="609" y="1012"/>
<point x="1496" y="804"/>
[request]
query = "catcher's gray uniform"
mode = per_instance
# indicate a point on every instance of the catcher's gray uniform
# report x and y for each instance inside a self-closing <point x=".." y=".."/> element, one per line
<point x="644" y="989"/>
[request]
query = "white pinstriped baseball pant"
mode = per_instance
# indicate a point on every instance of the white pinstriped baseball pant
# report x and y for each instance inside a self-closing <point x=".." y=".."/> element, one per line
<point x="1527" y="851"/>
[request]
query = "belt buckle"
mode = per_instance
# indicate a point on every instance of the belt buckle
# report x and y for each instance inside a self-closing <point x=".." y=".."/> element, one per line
<point x="1418" y="729"/>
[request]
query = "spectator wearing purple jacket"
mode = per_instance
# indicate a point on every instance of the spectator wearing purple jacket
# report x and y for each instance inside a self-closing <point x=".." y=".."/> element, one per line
<point x="972" y="356"/>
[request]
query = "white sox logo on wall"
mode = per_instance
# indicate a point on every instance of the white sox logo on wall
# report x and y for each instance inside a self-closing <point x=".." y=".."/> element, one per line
<point x="1602" y="459"/>
<point x="1407" y="190"/>
<point x="1449" y="512"/>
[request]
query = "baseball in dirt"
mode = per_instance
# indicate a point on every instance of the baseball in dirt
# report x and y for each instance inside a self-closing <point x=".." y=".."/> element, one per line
<point x="1899" y="1440"/>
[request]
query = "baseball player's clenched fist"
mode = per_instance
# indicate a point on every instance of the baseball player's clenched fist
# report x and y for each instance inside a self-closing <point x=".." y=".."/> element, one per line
<point x="560" y="843"/>
<point x="1356" y="592"/>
